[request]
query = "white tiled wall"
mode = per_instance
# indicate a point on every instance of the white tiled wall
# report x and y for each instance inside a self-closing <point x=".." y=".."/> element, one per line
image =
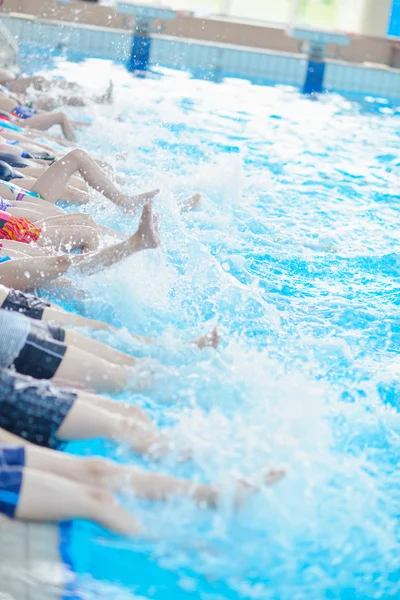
<point x="97" y="41"/>
<point x="229" y="60"/>
<point x="366" y="80"/>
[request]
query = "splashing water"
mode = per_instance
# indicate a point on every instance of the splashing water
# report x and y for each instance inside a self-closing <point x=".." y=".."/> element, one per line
<point x="295" y="253"/>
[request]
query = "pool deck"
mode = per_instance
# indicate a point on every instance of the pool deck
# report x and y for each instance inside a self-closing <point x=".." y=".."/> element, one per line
<point x="30" y="563"/>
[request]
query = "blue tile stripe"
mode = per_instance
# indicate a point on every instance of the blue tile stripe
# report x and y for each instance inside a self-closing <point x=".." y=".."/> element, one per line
<point x="314" y="83"/>
<point x="140" y="55"/>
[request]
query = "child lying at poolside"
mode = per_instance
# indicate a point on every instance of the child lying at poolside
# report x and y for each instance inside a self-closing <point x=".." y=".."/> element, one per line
<point x="57" y="486"/>
<point x="47" y="415"/>
<point x="45" y="485"/>
<point x="51" y="184"/>
<point x="35" y="307"/>
<point x="25" y="267"/>
<point x="67" y="93"/>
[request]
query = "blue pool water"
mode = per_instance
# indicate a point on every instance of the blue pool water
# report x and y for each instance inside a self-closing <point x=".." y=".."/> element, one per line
<point x="296" y="255"/>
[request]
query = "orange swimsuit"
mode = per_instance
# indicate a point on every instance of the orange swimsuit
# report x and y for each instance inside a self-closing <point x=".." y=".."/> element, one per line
<point x="18" y="229"/>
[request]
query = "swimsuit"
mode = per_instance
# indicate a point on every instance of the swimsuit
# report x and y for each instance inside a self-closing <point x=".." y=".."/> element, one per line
<point x="4" y="204"/>
<point x="7" y="173"/>
<point x="23" y="112"/>
<point x="39" y="156"/>
<point x="9" y="125"/>
<point x="18" y="192"/>
<point x="13" y="160"/>
<point x="33" y="410"/>
<point x="29" y="305"/>
<point x="12" y="463"/>
<point x="18" y="229"/>
<point x="43" y="351"/>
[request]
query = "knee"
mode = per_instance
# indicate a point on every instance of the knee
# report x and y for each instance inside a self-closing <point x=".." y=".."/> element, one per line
<point x="96" y="471"/>
<point x="90" y="238"/>
<point x="99" y="497"/>
<point x="77" y="157"/>
<point x="87" y="220"/>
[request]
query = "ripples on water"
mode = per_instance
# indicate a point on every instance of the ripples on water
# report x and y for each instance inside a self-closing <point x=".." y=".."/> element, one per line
<point x="296" y="255"/>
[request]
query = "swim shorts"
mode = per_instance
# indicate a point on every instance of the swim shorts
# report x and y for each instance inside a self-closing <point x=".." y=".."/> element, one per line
<point x="39" y="156"/>
<point x="12" y="463"/>
<point x="27" y="304"/>
<point x="33" y="410"/>
<point x="11" y="456"/>
<point x="43" y="351"/>
<point x="18" y="229"/>
<point x="7" y="173"/>
<point x="10" y="490"/>
<point x="23" y="112"/>
<point x="17" y="162"/>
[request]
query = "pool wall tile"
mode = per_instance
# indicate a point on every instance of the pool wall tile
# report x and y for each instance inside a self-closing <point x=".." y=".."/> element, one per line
<point x="232" y="61"/>
<point x="367" y="80"/>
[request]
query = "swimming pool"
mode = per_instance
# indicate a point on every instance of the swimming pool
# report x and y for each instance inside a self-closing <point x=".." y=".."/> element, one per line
<point x="296" y="255"/>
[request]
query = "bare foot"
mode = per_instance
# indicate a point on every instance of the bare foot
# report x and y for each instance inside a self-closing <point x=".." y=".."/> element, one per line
<point x="246" y="487"/>
<point x="190" y="203"/>
<point x="148" y="234"/>
<point x="210" y="340"/>
<point x="133" y="203"/>
<point x="108" y="95"/>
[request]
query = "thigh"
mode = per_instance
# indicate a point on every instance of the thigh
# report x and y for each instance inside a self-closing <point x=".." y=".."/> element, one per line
<point x="28" y="182"/>
<point x="47" y="209"/>
<point x="98" y="348"/>
<point x="48" y="497"/>
<point x="31" y="213"/>
<point x="86" y="421"/>
<point x="87" y="370"/>
<point x="115" y="407"/>
<point x="69" y="238"/>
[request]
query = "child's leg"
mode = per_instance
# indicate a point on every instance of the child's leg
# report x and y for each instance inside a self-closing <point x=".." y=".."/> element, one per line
<point x="99" y="349"/>
<point x="55" y="314"/>
<point x="89" y="418"/>
<point x="47" y="120"/>
<point x="39" y="206"/>
<point x="52" y="183"/>
<point x="84" y="369"/>
<point x="68" y="238"/>
<point x="107" y="474"/>
<point x="48" y="497"/>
